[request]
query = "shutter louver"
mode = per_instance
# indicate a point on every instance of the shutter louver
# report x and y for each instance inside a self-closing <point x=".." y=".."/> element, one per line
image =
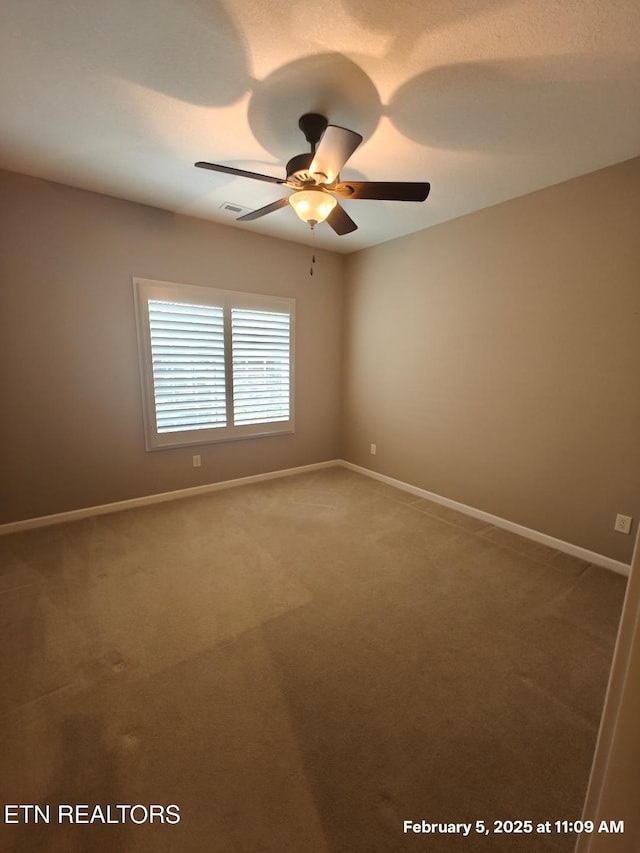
<point x="261" y="366"/>
<point x="187" y="348"/>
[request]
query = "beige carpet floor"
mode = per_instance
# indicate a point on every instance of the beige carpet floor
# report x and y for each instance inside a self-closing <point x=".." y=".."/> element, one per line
<point x="299" y="665"/>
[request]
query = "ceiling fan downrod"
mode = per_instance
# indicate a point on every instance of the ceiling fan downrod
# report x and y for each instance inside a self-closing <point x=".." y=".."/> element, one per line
<point x="313" y="125"/>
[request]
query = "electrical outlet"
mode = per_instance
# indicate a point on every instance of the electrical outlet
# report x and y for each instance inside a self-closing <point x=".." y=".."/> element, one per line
<point x="197" y="461"/>
<point x="623" y="523"/>
<point x="373" y="449"/>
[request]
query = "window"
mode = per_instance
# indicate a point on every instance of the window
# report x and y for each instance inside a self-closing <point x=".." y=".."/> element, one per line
<point x="215" y="365"/>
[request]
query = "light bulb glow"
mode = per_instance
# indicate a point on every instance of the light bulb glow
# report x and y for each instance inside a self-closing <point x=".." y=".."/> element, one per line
<point x="312" y="205"/>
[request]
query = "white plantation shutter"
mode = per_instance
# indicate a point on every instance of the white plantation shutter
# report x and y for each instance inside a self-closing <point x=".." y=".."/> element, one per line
<point x="261" y="366"/>
<point x="215" y="365"/>
<point x="187" y="350"/>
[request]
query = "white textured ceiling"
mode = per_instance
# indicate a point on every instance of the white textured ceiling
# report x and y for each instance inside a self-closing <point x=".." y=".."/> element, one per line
<point x="486" y="99"/>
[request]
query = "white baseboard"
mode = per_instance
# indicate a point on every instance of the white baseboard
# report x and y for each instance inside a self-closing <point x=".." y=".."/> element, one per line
<point x="558" y="544"/>
<point x="147" y="500"/>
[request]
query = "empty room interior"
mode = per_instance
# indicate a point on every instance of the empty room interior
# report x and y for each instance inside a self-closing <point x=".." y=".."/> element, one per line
<point x="317" y="526"/>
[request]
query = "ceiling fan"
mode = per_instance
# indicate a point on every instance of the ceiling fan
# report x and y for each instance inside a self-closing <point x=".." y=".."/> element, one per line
<point x="315" y="178"/>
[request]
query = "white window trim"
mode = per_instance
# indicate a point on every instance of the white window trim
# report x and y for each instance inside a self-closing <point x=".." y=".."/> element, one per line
<point x="145" y="289"/>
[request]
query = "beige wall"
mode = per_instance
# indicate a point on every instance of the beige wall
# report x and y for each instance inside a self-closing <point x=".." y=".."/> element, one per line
<point x="495" y="359"/>
<point x="71" y="430"/>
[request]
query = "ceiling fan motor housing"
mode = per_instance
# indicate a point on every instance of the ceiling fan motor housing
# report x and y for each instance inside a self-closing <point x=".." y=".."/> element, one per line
<point x="313" y="125"/>
<point x="298" y="170"/>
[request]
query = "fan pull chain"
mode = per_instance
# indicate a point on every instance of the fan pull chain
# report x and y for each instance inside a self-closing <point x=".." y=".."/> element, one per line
<point x="313" y="254"/>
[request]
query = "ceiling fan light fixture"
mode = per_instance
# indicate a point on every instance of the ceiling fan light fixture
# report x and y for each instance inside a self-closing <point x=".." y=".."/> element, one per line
<point x="312" y="206"/>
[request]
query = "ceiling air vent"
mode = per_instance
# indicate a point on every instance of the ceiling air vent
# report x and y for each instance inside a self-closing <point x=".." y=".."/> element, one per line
<point x="236" y="209"/>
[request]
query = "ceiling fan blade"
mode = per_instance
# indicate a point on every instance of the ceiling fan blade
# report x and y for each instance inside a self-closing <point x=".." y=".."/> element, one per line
<point x="384" y="190"/>
<point x="340" y="221"/>
<point x="336" y="145"/>
<point x="262" y="211"/>
<point x="230" y="170"/>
